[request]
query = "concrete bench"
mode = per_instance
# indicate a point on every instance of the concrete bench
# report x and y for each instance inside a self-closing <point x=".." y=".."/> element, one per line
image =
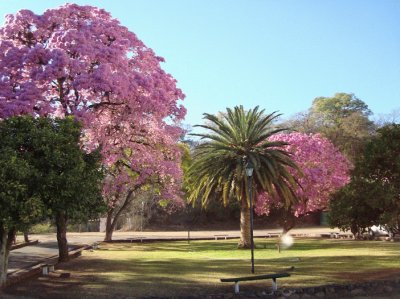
<point x="273" y="276"/>
<point x="220" y="236"/>
<point x="47" y="268"/>
<point x="136" y="239"/>
<point x="272" y="235"/>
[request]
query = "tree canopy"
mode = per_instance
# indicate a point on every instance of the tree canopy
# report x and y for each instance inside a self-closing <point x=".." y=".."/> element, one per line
<point x="324" y="170"/>
<point x="20" y="206"/>
<point x="78" y="60"/>
<point x="45" y="173"/>
<point x="343" y="119"/>
<point x="374" y="185"/>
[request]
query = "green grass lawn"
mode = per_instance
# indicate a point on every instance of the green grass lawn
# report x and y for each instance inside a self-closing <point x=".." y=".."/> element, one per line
<point x="179" y="268"/>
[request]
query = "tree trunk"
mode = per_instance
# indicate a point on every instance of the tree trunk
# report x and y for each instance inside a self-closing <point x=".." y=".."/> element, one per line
<point x="245" y="237"/>
<point x="110" y="226"/>
<point x="288" y="220"/>
<point x="112" y="217"/>
<point x="6" y="239"/>
<point x="26" y="236"/>
<point x="61" y="223"/>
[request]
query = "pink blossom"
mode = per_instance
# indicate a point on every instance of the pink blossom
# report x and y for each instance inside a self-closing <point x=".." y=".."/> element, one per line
<point x="78" y="60"/>
<point x="324" y="169"/>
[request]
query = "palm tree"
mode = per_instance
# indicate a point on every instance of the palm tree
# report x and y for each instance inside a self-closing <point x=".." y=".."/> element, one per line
<point x="218" y="169"/>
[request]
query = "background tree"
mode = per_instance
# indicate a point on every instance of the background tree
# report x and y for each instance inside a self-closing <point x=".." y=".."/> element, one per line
<point x="78" y="60"/>
<point x="380" y="166"/>
<point x="374" y="192"/>
<point x="350" y="208"/>
<point x="343" y="119"/>
<point x="218" y="170"/>
<point x="393" y="117"/>
<point x="324" y="170"/>
<point x="123" y="185"/>
<point x="20" y="206"/>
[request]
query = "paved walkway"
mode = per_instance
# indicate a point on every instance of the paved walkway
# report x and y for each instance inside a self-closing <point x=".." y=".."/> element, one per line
<point x="29" y="256"/>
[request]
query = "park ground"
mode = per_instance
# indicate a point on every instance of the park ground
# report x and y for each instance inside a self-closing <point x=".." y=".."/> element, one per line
<point x="182" y="268"/>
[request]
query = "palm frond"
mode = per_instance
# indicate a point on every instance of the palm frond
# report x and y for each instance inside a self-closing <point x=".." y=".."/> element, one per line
<point x="218" y="169"/>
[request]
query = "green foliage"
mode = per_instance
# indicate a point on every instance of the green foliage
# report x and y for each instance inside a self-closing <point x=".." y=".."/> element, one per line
<point x="338" y="107"/>
<point x="380" y="166"/>
<point x="373" y="196"/>
<point x="20" y="205"/>
<point x="350" y="209"/>
<point x="186" y="162"/>
<point x="186" y="159"/>
<point x="70" y="179"/>
<point x="42" y="228"/>
<point x="343" y="119"/>
<point x="43" y="170"/>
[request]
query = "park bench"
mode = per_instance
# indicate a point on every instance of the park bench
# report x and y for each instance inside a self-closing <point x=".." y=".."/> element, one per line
<point x="220" y="236"/>
<point x="273" y="276"/>
<point x="131" y="240"/>
<point x="272" y="235"/>
<point x="47" y="268"/>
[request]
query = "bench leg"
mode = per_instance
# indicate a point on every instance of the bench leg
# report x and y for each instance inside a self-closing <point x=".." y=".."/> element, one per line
<point x="237" y="287"/>
<point x="274" y="285"/>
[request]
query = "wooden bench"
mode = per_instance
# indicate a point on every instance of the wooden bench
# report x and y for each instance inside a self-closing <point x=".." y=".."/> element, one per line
<point x="220" y="236"/>
<point x="273" y="276"/>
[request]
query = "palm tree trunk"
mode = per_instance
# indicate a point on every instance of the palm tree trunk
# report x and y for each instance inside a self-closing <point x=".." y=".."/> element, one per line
<point x="245" y="237"/>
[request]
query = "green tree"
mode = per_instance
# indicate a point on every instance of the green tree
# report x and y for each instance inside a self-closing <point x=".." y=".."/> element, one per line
<point x="19" y="204"/>
<point x="218" y="168"/>
<point x="338" y="107"/>
<point x="343" y="119"/>
<point x="69" y="181"/>
<point x="350" y="208"/>
<point x="373" y="196"/>
<point x="380" y="166"/>
<point x="44" y="172"/>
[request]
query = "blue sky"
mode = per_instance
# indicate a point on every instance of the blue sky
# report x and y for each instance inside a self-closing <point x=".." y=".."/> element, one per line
<point x="279" y="55"/>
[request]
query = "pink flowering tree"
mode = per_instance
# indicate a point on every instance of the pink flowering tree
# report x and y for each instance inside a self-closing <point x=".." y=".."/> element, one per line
<point x="324" y="169"/>
<point x="78" y="60"/>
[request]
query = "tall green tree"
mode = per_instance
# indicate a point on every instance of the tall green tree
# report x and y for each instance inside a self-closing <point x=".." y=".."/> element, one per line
<point x="218" y="169"/>
<point x="380" y="166"/>
<point x="20" y="206"/>
<point x="373" y="196"/>
<point x="70" y="179"/>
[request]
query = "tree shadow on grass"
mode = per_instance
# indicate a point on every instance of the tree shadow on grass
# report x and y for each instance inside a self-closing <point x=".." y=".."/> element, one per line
<point x="177" y="246"/>
<point x="92" y="277"/>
